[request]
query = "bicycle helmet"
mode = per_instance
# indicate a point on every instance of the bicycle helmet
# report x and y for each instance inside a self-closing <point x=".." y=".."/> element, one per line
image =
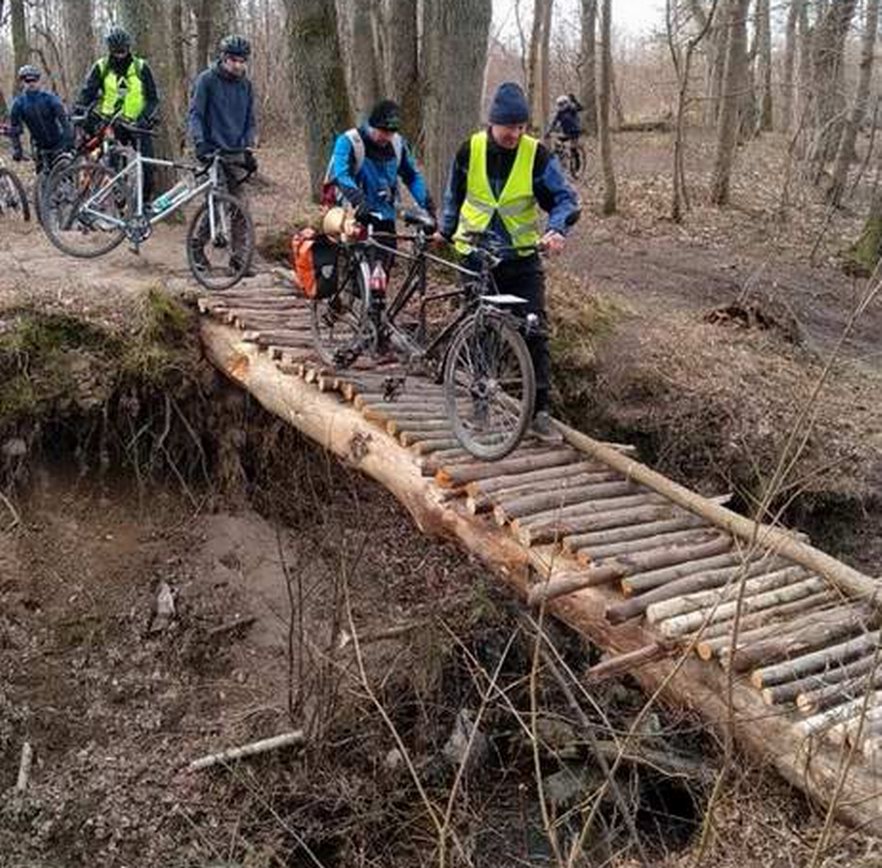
<point x="236" y="46"/>
<point x="562" y="101"/>
<point x="118" y="39"/>
<point x="28" y="71"/>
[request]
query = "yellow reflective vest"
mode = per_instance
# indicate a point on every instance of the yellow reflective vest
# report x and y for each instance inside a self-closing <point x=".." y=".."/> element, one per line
<point x="516" y="205"/>
<point x="134" y="102"/>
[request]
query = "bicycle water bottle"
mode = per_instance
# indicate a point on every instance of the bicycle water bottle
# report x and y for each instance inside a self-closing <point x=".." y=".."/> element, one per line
<point x="378" y="279"/>
<point x="167" y="199"/>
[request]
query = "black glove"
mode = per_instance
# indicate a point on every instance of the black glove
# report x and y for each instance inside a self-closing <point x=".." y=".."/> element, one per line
<point x="363" y="213"/>
<point x="249" y="162"/>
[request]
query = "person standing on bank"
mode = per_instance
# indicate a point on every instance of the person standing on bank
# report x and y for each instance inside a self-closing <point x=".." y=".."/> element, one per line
<point x="499" y="180"/>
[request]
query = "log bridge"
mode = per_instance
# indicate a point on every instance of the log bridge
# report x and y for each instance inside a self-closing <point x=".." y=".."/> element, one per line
<point x="646" y="569"/>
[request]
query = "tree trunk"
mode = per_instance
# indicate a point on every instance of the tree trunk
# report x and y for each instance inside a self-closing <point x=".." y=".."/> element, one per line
<point x="787" y="80"/>
<point x="205" y="12"/>
<point x="319" y="80"/>
<point x="80" y="41"/>
<point x="537" y="68"/>
<point x="588" y="65"/>
<point x="716" y="56"/>
<point x="451" y="91"/>
<point x="402" y="79"/>
<point x="21" y="51"/>
<point x="727" y="130"/>
<point x="865" y="253"/>
<point x="609" y="175"/>
<point x="178" y="72"/>
<point x="357" y="45"/>
<point x="764" y="67"/>
<point x="845" y="153"/>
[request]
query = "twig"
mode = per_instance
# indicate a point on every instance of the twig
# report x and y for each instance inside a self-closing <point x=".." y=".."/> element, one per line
<point x="255" y="747"/>
<point x="24" y="772"/>
<point x="16" y="518"/>
<point x="229" y="626"/>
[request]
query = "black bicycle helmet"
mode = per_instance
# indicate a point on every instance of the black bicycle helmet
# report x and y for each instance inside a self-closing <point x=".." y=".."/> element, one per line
<point x="237" y="46"/>
<point x="29" y="71"/>
<point x="118" y="39"/>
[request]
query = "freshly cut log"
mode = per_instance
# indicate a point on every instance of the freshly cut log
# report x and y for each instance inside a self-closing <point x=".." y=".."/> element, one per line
<point x="850" y="580"/>
<point x="826" y="719"/>
<point x="804" y="635"/>
<point x="673" y="628"/>
<point x="415" y="433"/>
<point x="683" y="521"/>
<point x="578" y="510"/>
<point x="553" y="531"/>
<point x="516" y="463"/>
<point x="856" y="729"/>
<point x="704" y="577"/>
<point x="428" y="444"/>
<point x="429" y="403"/>
<point x="817" y="661"/>
<point x="545" y="474"/>
<point x="480" y="502"/>
<point x="556" y="501"/>
<point x="788" y="691"/>
<point x="597" y="554"/>
<point x="616" y="568"/>
<point x="818" y="700"/>
<point x="415" y="421"/>
<point x="622" y="664"/>
<point x="649" y="581"/>
<point x="742" y="586"/>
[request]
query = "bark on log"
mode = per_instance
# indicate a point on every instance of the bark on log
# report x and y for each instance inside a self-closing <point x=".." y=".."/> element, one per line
<point x="256" y="747"/>
<point x="789" y="690"/>
<point x="845" y="712"/>
<point x="546" y="474"/>
<point x="426" y="445"/>
<point x="850" y="580"/>
<point x="555" y="501"/>
<point x="516" y="463"/>
<point x="596" y="554"/>
<point x="683" y="521"/>
<point x="416" y="421"/>
<point x="656" y="579"/>
<point x="818" y="700"/>
<point x="623" y="664"/>
<point x="481" y="502"/>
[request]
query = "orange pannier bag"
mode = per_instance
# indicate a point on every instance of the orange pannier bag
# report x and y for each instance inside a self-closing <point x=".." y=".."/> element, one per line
<point x="314" y="259"/>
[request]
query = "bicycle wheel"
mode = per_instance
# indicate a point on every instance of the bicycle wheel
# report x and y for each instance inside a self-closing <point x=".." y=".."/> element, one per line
<point x="13" y="199"/>
<point x="489" y="386"/>
<point x="45" y="179"/>
<point x="341" y="329"/>
<point x="79" y="204"/>
<point x="577" y="161"/>
<point x="220" y="255"/>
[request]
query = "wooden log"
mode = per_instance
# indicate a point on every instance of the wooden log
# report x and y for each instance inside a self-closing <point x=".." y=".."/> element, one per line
<point x="622" y="664"/>
<point x="599" y="553"/>
<point x="655" y="508"/>
<point x="850" y="580"/>
<point x="438" y="432"/>
<point x="683" y="521"/>
<point x="428" y="444"/>
<point x="711" y="575"/>
<point x="788" y="691"/>
<point x="673" y="628"/>
<point x="418" y="420"/>
<point x="480" y="502"/>
<point x="847" y="711"/>
<point x="800" y="637"/>
<point x="838" y="654"/>
<point x="256" y="747"/>
<point x="854" y="730"/>
<point x="825" y="697"/>
<point x="545" y="474"/>
<point x="649" y="581"/>
<point x="556" y="501"/>
<point x="515" y="463"/>
<point x="615" y="568"/>
<point x="429" y="404"/>
<point x="578" y="510"/>
<point x="743" y="586"/>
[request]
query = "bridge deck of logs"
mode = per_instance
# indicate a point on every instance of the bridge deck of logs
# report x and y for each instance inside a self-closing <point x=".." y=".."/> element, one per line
<point x="652" y="573"/>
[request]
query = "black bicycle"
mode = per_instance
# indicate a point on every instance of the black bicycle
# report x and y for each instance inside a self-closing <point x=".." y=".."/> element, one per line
<point x="477" y="352"/>
<point x="571" y="155"/>
<point x="13" y="198"/>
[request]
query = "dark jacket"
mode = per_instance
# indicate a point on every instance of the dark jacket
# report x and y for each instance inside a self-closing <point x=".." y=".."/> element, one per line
<point x="94" y="86"/>
<point x="567" y="122"/>
<point x="45" y="118"/>
<point x="221" y="112"/>
<point x="552" y="192"/>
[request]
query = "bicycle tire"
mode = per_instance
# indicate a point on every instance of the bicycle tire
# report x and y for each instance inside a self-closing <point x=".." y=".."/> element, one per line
<point x="13" y="198"/>
<point x="220" y="276"/>
<point x="44" y="182"/>
<point x="347" y="308"/>
<point x="577" y="167"/>
<point x="475" y="404"/>
<point x="66" y="193"/>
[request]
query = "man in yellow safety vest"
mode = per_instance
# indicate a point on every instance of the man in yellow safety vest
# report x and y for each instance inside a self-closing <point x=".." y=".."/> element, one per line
<point x="499" y="181"/>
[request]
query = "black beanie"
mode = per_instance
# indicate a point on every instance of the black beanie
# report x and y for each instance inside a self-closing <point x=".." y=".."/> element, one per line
<point x="385" y="115"/>
<point x="509" y="106"/>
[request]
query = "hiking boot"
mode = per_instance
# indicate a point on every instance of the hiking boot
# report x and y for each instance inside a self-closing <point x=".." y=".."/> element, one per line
<point x="543" y="428"/>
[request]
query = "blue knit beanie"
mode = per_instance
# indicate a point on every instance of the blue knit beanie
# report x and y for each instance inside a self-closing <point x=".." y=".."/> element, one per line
<point x="509" y="106"/>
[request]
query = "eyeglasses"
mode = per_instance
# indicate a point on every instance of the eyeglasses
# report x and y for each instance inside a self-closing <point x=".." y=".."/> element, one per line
<point x="30" y="80"/>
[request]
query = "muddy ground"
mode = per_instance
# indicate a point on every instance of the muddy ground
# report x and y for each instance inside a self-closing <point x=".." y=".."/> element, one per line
<point x="116" y="702"/>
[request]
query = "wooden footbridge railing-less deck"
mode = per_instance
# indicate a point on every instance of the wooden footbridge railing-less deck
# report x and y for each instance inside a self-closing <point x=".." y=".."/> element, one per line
<point x="645" y="568"/>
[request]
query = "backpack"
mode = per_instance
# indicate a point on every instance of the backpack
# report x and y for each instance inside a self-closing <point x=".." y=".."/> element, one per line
<point x="329" y="188"/>
<point x="314" y="260"/>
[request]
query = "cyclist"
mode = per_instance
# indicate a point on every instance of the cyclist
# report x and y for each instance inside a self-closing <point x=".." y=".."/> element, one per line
<point x="123" y="82"/>
<point x="499" y="180"/>
<point x="221" y="118"/>
<point x="43" y="114"/>
<point x="365" y="166"/>
<point x="568" y="125"/>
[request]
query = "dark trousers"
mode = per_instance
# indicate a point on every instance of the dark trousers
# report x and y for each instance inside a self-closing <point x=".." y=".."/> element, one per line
<point x="524" y="277"/>
<point x="233" y="182"/>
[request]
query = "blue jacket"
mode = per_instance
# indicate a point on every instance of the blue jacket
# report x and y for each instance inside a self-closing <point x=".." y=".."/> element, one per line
<point x="552" y="192"/>
<point x="45" y="118"/>
<point x="221" y="111"/>
<point x="376" y="183"/>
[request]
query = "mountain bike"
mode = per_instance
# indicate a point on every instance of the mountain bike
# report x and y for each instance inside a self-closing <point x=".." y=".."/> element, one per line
<point x="13" y="198"/>
<point x="478" y="353"/>
<point x="571" y="155"/>
<point x="97" y="209"/>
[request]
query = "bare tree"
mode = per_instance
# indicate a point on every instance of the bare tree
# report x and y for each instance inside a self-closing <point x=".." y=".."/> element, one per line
<point x="787" y="82"/>
<point x="845" y="152"/>
<point x="588" y="65"/>
<point x="80" y="39"/>
<point x="402" y="80"/>
<point x="21" y="51"/>
<point x="319" y="80"/>
<point x="451" y="91"/>
<point x="357" y="44"/>
<point x="609" y="175"/>
<point x="764" y="66"/>
<point x="537" y="64"/>
<point x="733" y="80"/>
